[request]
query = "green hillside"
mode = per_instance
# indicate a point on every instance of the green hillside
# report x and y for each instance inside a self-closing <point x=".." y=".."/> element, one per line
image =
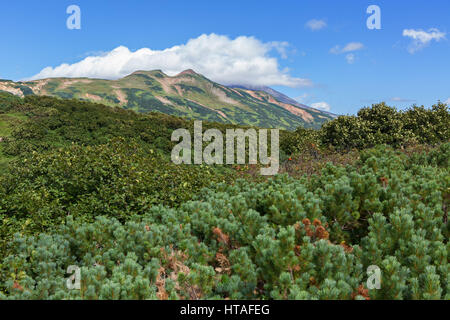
<point x="189" y="95"/>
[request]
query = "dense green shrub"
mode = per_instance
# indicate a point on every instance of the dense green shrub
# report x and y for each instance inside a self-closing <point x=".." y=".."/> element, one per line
<point x="9" y="102"/>
<point x="299" y="141"/>
<point x="381" y="124"/>
<point x="428" y="126"/>
<point x="282" y="239"/>
<point x="117" y="179"/>
<point x="54" y="123"/>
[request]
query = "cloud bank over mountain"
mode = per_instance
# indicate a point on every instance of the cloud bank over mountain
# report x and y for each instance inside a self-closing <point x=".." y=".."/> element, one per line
<point x="243" y="60"/>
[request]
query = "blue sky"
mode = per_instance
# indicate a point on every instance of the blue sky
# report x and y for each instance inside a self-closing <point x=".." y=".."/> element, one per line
<point x="368" y="66"/>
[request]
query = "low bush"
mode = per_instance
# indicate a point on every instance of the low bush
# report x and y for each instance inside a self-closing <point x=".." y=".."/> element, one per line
<point x="282" y="239"/>
<point x="117" y="179"/>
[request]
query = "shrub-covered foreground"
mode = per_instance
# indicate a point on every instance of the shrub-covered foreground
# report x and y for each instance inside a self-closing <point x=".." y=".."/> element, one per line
<point x="308" y="238"/>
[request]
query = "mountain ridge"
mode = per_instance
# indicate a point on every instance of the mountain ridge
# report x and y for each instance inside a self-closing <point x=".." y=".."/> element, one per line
<point x="187" y="94"/>
<point x="279" y="96"/>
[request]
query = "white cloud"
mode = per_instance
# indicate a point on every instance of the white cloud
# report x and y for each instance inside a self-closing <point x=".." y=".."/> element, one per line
<point x="447" y="102"/>
<point x="281" y="47"/>
<point x="303" y="98"/>
<point x="422" y="38"/>
<point x="315" y="25"/>
<point x="398" y="99"/>
<point x="350" y="58"/>
<point x="321" y="106"/>
<point x="353" y="46"/>
<point x="349" y="47"/>
<point x="243" y="60"/>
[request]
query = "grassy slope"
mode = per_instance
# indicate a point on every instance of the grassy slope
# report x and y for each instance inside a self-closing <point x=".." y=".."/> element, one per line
<point x="37" y="123"/>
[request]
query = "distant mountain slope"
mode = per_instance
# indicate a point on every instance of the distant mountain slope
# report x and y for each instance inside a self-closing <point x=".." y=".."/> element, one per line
<point x="187" y="94"/>
<point x="280" y="97"/>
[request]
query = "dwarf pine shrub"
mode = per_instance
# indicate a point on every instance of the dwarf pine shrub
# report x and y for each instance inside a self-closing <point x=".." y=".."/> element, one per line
<point x="308" y="238"/>
<point x="118" y="179"/>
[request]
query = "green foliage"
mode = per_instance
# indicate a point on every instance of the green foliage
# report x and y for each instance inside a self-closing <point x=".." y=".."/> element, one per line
<point x="300" y="141"/>
<point x="53" y="123"/>
<point x="8" y="101"/>
<point x="93" y="186"/>
<point x="382" y="124"/>
<point x="282" y="239"/>
<point x="56" y="123"/>
<point x="379" y="124"/>
<point x="428" y="126"/>
<point x="117" y="179"/>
